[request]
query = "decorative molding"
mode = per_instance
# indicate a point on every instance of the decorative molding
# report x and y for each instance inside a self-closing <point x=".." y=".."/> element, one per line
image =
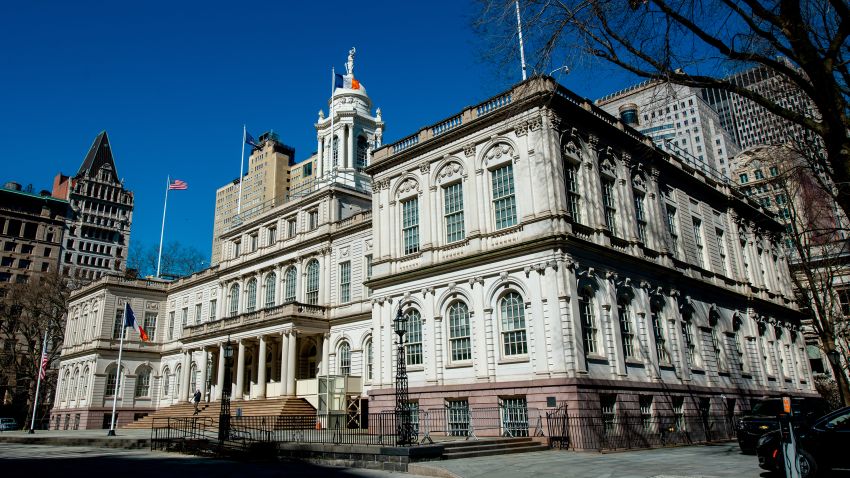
<point x="449" y="170"/>
<point x="469" y="150"/>
<point x="425" y="167"/>
<point x="407" y="186"/>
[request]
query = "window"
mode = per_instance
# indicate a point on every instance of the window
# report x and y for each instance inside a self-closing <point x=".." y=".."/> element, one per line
<point x="504" y="204"/>
<point x="312" y="219"/>
<point x="759" y="174"/>
<point x="457" y="416"/>
<point x="369" y="360"/>
<point x="718" y="352"/>
<point x="345" y="281"/>
<point x="588" y="321"/>
<point x="150" y="324"/>
<point x="213" y="306"/>
<point x="573" y="196"/>
<point x="237" y="248"/>
<point x="461" y="348"/>
<point x="410" y="225"/>
<point x="291" y="279"/>
<point x="690" y="347"/>
<point x="514" y="417"/>
<point x="118" y="325"/>
<point x="111" y="382"/>
<point x="166" y="383"/>
<point x="254" y="241"/>
<point x="291" y="227"/>
<point x="743" y="179"/>
<point x="307" y="170"/>
<point x="312" y="296"/>
<point x="362" y="147"/>
<point x="626" y="331"/>
<point x="234" y="300"/>
<point x="251" y="295"/>
<point x="171" y="325"/>
<point x="640" y="217"/>
<point x="513" y="324"/>
<point x="413" y="347"/>
<point x="344" y="359"/>
<point x="368" y="266"/>
<point x="453" y="199"/>
<point x="184" y="318"/>
<point x="645" y="402"/>
<point x="774" y="171"/>
<point x="143" y="383"/>
<point x="721" y="250"/>
<point x="269" y="288"/>
<point x="272" y="236"/>
<point x="698" y="242"/>
<point x="197" y="317"/>
<point x="610" y="207"/>
<point x="678" y="413"/>
<point x="660" y="343"/>
<point x="608" y="403"/>
<point x="335" y="152"/>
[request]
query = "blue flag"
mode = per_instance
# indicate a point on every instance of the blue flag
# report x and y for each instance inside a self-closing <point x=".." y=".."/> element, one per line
<point x="339" y="81"/>
<point x="250" y="140"/>
<point x="129" y="316"/>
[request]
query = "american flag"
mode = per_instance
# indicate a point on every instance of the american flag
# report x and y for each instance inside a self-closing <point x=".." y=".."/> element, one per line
<point x="178" y="184"/>
<point x="42" y="369"/>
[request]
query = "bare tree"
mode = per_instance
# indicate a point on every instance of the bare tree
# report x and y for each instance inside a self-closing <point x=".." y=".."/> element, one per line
<point x="27" y="311"/>
<point x="696" y="43"/>
<point x="177" y="260"/>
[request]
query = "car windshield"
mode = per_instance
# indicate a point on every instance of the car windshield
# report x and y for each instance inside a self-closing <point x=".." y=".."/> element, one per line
<point x="768" y="407"/>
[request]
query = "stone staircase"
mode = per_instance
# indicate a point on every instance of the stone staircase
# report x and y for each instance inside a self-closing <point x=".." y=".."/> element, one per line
<point x="268" y="407"/>
<point x="486" y="447"/>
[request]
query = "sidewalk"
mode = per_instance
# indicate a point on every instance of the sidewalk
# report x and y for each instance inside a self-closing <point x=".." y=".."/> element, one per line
<point x="130" y="439"/>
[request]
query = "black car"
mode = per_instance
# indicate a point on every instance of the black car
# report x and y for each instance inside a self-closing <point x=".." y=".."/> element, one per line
<point x="823" y="446"/>
<point x="763" y="418"/>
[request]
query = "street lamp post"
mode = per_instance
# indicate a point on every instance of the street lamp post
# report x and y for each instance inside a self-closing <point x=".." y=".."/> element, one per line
<point x="224" y="414"/>
<point x="402" y="408"/>
<point x="834" y="357"/>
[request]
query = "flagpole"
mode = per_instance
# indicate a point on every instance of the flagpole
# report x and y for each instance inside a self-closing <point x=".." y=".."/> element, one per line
<point x="162" y="230"/>
<point x="118" y="372"/>
<point x="41" y="366"/>
<point x="241" y="169"/>
<point x="333" y="88"/>
<point x="519" y="32"/>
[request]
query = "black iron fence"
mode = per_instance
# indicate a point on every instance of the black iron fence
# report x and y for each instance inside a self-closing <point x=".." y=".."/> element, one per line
<point x="624" y="431"/>
<point x="478" y="422"/>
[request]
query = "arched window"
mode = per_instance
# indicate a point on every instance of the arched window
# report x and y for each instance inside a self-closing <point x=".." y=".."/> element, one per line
<point x="66" y="385"/>
<point x="335" y="152"/>
<point x="271" y="280"/>
<point x="504" y="203"/>
<point x="112" y="381"/>
<point x="84" y="392"/>
<point x="459" y="332"/>
<point x="369" y="362"/>
<point x="193" y="378"/>
<point x="75" y="387"/>
<point x="313" y="282"/>
<point x="166" y="382"/>
<point x="251" y="299"/>
<point x="143" y="382"/>
<point x="291" y="279"/>
<point x="627" y="333"/>
<point x="513" y="324"/>
<point x="413" y="347"/>
<point x="589" y="328"/>
<point x="344" y="355"/>
<point x="178" y="377"/>
<point x="362" y="147"/>
<point x="234" y="299"/>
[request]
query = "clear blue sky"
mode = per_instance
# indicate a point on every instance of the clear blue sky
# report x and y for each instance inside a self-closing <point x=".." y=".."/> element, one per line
<point x="173" y="82"/>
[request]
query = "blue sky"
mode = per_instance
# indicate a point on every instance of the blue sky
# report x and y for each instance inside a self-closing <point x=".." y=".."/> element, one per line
<point x="172" y="83"/>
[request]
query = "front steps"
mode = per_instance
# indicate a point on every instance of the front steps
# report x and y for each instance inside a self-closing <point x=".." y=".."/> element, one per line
<point x="486" y="447"/>
<point x="268" y="407"/>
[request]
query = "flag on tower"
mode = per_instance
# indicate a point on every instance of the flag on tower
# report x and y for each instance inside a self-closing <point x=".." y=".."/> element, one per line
<point x="355" y="85"/>
<point x="130" y="321"/>
<point x="42" y="367"/>
<point x="339" y="81"/>
<point x="250" y="140"/>
<point x="178" y="184"/>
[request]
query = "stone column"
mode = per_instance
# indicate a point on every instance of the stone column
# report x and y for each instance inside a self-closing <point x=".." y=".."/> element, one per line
<point x="261" y="368"/>
<point x="275" y="348"/>
<point x="290" y="365"/>
<point x="284" y="363"/>
<point x="202" y="383"/>
<point x="326" y="353"/>
<point x="219" y="383"/>
<point x="240" y="372"/>
<point x="184" y="384"/>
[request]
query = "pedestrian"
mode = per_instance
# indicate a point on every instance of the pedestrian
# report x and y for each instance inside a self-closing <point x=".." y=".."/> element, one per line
<point x="197" y="400"/>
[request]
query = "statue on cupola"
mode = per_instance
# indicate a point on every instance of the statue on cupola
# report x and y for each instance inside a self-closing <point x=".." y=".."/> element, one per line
<point x="349" y="65"/>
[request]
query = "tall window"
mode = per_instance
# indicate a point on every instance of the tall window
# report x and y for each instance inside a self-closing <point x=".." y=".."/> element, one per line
<point x="251" y="295"/>
<point x="459" y="332"/>
<point x="410" y="225"/>
<point x="271" y="284"/>
<point x="118" y="325"/>
<point x="573" y="196"/>
<point x="312" y="219"/>
<point x="588" y="321"/>
<point x="312" y="296"/>
<point x="698" y="242"/>
<point x="335" y="152"/>
<point x="272" y="236"/>
<point x="718" y="351"/>
<point x="721" y="250"/>
<point x="453" y="199"/>
<point x="660" y="342"/>
<point x="291" y="227"/>
<point x="673" y="228"/>
<point x="645" y="402"/>
<point x="504" y="203"/>
<point x="345" y="281"/>
<point x="171" y="325"/>
<point x="150" y="324"/>
<point x="143" y="383"/>
<point x="184" y="318"/>
<point x="369" y="359"/>
<point x="166" y="382"/>
<point x="213" y="307"/>
<point x="234" y="299"/>
<point x="111" y="383"/>
<point x="690" y="346"/>
<point x="640" y="216"/>
<point x="413" y="347"/>
<point x="626" y="331"/>
<point x="609" y="205"/>
<point x="457" y="416"/>
<point x="344" y="359"/>
<point x="513" y="324"/>
<point x="678" y="413"/>
<point x="198" y="314"/>
<point x="291" y="279"/>
<point x="608" y="403"/>
<point x="362" y="147"/>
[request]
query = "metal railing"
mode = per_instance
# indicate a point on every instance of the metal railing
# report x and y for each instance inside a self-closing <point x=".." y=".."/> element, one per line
<point x="628" y="431"/>
<point x="478" y="422"/>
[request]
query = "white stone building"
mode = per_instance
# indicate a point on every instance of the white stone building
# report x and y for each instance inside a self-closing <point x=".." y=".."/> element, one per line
<point x="543" y="253"/>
